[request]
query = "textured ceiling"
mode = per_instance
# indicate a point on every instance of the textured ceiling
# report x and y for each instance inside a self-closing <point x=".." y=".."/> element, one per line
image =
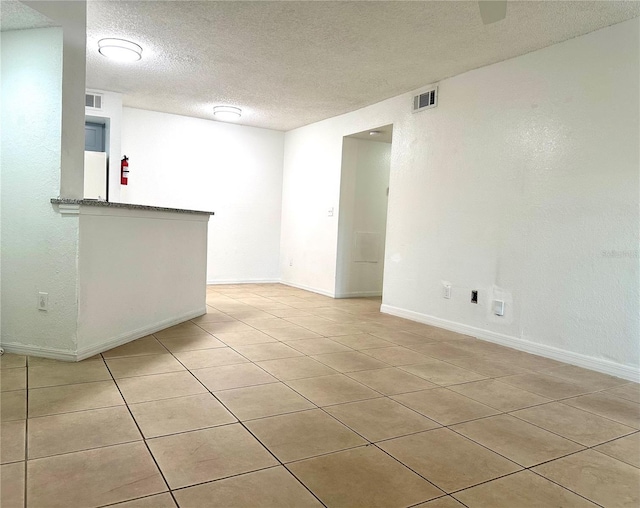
<point x="288" y="64"/>
<point x="17" y="16"/>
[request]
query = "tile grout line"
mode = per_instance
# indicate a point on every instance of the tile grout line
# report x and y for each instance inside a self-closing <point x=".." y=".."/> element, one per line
<point x="304" y="355"/>
<point x="60" y="454"/>
<point x="586" y="447"/>
<point x="564" y="487"/>
<point x="120" y="503"/>
<point x="612" y="440"/>
<point x="367" y="441"/>
<point x="247" y="430"/>
<point x="437" y="499"/>
<point x="523" y="468"/>
<point x="500" y="412"/>
<point x="410" y="468"/>
<point x="501" y="454"/>
<point x="319" y="407"/>
<point x="363" y="436"/>
<point x="328" y="453"/>
<point x="390" y="366"/>
<point x="26" y="432"/>
<point x="164" y="479"/>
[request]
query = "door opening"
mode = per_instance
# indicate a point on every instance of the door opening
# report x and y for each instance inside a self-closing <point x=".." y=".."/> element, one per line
<point x="362" y="224"/>
<point x="96" y="175"/>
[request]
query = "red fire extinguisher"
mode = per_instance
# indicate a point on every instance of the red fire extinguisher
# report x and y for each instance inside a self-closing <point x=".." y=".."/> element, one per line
<point x="124" y="170"/>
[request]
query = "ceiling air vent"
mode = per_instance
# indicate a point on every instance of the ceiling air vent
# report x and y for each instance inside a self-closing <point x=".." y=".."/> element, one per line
<point x="93" y="100"/>
<point x="425" y="100"/>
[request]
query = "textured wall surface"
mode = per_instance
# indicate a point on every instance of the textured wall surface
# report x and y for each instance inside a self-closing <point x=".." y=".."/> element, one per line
<point x="522" y="182"/>
<point x="234" y="171"/>
<point x="71" y="15"/>
<point x="139" y="271"/>
<point x="39" y="246"/>
<point x="311" y="187"/>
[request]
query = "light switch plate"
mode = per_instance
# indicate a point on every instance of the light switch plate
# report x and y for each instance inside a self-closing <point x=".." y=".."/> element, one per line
<point x="498" y="307"/>
<point x="43" y="301"/>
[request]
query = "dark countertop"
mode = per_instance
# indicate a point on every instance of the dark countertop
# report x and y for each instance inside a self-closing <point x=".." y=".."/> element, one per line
<point x="109" y="204"/>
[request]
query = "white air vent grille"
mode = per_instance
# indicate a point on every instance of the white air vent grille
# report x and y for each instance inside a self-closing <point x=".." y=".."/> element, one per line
<point x="93" y="100"/>
<point x="425" y="100"/>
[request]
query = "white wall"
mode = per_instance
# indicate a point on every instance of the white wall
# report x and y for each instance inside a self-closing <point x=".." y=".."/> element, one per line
<point x="111" y="275"/>
<point x="95" y="177"/>
<point x="71" y="15"/>
<point x="234" y="171"/>
<point x="523" y="181"/>
<point x="139" y="272"/>
<point x="39" y="247"/>
<point x="111" y="115"/>
<point x="363" y="210"/>
<point x="310" y="188"/>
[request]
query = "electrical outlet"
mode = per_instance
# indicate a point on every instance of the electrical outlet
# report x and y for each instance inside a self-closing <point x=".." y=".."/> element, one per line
<point x="43" y="301"/>
<point x="446" y="291"/>
<point x="474" y="296"/>
<point x="290" y="261"/>
<point x="330" y="214"/>
<point x="498" y="307"/>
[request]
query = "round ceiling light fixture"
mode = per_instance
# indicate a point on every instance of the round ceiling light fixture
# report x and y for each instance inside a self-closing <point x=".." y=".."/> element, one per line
<point x="119" y="49"/>
<point x="375" y="133"/>
<point x="228" y="113"/>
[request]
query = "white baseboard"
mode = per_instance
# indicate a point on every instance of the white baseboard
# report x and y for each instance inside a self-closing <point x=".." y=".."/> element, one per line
<point x="44" y="352"/>
<point x="213" y="282"/>
<point x="562" y="355"/>
<point x="136" y="334"/>
<point x="81" y="354"/>
<point x="308" y="288"/>
<point x="358" y="294"/>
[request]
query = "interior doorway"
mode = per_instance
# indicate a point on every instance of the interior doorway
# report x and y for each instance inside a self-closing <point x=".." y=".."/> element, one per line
<point x="94" y="137"/>
<point x="96" y="174"/>
<point x="362" y="223"/>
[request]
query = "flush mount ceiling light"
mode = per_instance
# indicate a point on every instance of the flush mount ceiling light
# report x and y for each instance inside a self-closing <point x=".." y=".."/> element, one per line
<point x="375" y="133"/>
<point x="228" y="113"/>
<point x="119" y="49"/>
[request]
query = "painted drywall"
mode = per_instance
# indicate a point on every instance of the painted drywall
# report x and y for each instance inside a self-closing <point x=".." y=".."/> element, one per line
<point x="363" y="217"/>
<point x="234" y="171"/>
<point x="523" y="182"/>
<point x="95" y="175"/>
<point x="111" y="115"/>
<point x="310" y="199"/>
<point x="71" y="15"/>
<point x="139" y="272"/>
<point x="39" y="246"/>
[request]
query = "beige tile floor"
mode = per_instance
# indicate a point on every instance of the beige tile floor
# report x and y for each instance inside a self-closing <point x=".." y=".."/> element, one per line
<point x="279" y="397"/>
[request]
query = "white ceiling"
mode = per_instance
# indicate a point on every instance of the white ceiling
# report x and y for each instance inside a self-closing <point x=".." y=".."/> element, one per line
<point x="14" y="15"/>
<point x="288" y="64"/>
